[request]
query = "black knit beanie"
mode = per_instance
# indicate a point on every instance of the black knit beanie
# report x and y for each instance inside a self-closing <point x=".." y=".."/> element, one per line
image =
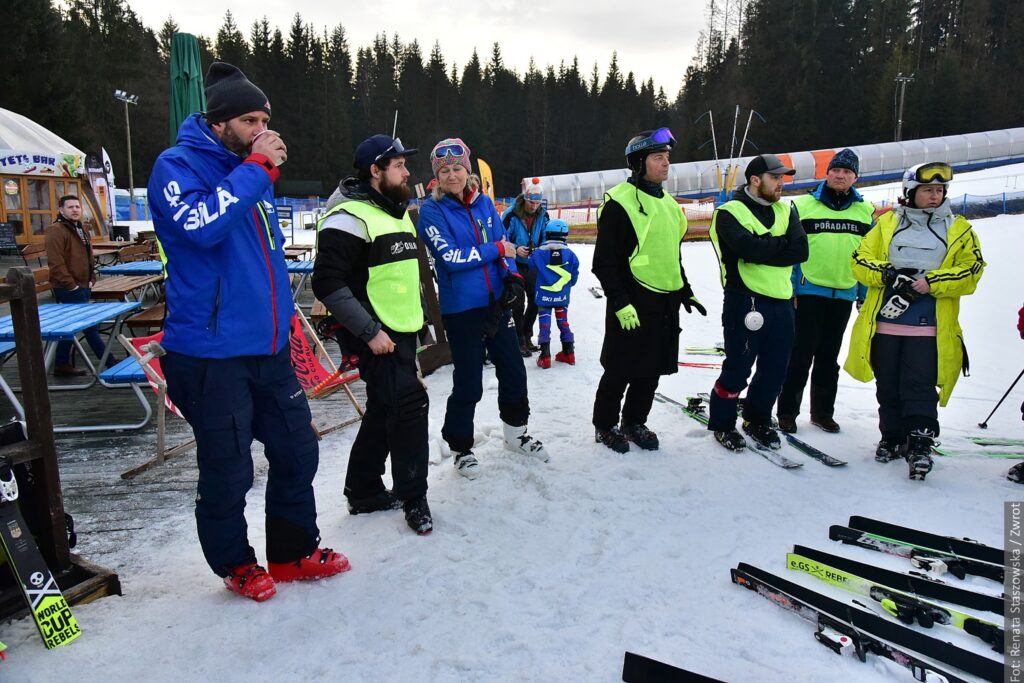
<point x="230" y="94"/>
<point x="845" y="158"/>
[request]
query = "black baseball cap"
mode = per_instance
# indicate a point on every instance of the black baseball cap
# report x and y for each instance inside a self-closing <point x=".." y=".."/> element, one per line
<point x="767" y="163"/>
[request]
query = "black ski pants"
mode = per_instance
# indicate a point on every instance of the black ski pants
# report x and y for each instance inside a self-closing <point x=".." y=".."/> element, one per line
<point x="639" y="392"/>
<point x="906" y="371"/>
<point x="820" y="325"/>
<point x="395" y="423"/>
<point x="769" y="347"/>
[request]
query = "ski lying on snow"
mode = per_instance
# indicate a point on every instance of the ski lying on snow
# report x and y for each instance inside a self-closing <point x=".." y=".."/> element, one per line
<point x="927" y="559"/>
<point x="844" y="628"/>
<point x="705" y="350"/>
<point x="797" y="443"/>
<point x="899" y="594"/>
<point x="639" y="669"/>
<point x="995" y="441"/>
<point x="708" y="366"/>
<point x="695" y="409"/>
<point x="961" y="547"/>
<point x="983" y="453"/>
<point x="596" y="291"/>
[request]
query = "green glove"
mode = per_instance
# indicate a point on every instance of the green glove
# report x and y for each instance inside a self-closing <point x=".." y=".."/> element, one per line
<point x="628" y="318"/>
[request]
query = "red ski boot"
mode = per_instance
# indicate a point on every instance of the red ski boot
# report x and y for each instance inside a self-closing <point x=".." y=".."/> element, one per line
<point x="251" y="581"/>
<point x="567" y="354"/>
<point x="544" y="359"/>
<point x="320" y="564"/>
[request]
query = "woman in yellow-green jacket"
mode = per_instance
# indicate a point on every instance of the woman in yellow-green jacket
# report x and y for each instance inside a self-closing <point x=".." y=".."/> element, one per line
<point x="917" y="262"/>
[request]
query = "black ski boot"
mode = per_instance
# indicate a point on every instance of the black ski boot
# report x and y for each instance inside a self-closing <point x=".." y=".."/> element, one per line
<point x="375" y="503"/>
<point x="641" y="436"/>
<point x="524" y="347"/>
<point x="763" y="434"/>
<point x="613" y="439"/>
<point x="787" y="424"/>
<point x="919" y="450"/>
<point x="731" y="439"/>
<point x="1016" y="473"/>
<point x="417" y="515"/>
<point x="889" y="448"/>
<point x="825" y="424"/>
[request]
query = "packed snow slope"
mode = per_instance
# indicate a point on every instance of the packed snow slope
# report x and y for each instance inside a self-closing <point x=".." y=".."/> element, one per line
<point x="544" y="572"/>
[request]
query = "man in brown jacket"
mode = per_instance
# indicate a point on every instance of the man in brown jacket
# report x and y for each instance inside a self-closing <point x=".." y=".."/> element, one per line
<point x="69" y="255"/>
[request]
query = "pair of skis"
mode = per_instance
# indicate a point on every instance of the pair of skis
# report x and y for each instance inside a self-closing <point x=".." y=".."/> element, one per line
<point x="695" y="407"/>
<point x="852" y="629"/>
<point x="926" y="551"/>
<point x="705" y="350"/>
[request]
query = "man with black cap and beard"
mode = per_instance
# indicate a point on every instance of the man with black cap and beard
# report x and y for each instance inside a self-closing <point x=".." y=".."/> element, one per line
<point x="367" y="274"/>
<point x="637" y="259"/>
<point x="228" y="364"/>
<point x="758" y="239"/>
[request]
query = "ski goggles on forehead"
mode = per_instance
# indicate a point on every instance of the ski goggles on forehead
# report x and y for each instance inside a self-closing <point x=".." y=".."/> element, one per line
<point x="662" y="136"/>
<point x="929" y="173"/>
<point x="450" y="150"/>
<point x="395" y="149"/>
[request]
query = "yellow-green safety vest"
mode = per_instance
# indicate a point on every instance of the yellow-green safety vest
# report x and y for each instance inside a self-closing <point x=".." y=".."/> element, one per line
<point x="832" y="236"/>
<point x="773" y="281"/>
<point x="393" y="287"/>
<point x="660" y="226"/>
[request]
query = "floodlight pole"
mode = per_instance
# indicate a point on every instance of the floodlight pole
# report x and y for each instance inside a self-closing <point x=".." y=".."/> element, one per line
<point x="129" y="99"/>
<point x="902" y="81"/>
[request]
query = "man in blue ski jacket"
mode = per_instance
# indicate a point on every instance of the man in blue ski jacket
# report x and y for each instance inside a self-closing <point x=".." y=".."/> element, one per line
<point x="228" y="365"/>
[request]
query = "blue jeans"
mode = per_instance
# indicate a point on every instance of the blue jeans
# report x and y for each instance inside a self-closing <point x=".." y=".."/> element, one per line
<point x="92" y="335"/>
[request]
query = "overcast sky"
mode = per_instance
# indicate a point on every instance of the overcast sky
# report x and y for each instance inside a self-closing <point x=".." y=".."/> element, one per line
<point x="652" y="40"/>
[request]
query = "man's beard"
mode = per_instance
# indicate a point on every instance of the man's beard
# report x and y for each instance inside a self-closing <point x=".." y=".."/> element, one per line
<point x="399" y="193"/>
<point x="772" y="196"/>
<point x="233" y="142"/>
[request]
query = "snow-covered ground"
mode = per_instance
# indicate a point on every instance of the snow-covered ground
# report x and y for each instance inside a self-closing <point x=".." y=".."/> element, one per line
<point x="544" y="572"/>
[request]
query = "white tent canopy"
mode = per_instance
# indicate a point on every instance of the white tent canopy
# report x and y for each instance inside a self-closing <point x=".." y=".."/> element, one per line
<point x="28" y="148"/>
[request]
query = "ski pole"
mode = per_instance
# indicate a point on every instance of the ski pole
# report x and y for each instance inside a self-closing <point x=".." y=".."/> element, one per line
<point x="984" y="425"/>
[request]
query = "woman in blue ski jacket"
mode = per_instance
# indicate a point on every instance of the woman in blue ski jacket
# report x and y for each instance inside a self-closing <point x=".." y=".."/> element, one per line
<point x="477" y="282"/>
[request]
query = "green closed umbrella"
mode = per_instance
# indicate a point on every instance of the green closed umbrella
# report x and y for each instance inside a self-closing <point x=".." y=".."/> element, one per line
<point x="187" y="95"/>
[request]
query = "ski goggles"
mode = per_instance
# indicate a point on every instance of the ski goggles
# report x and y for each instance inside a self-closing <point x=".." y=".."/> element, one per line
<point x="453" y="149"/>
<point x="659" y="138"/>
<point x="935" y="171"/>
<point x="396" y="149"/>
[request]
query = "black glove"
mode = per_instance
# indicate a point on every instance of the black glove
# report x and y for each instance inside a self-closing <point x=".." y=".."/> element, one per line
<point x="889" y="275"/>
<point x="495" y="312"/>
<point x="515" y="288"/>
<point x="904" y="287"/>
<point x="690" y="302"/>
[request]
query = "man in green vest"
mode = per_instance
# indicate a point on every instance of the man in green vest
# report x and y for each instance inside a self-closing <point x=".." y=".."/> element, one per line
<point x="367" y="274"/>
<point x="758" y="239"/>
<point x="637" y="260"/>
<point x="835" y="217"/>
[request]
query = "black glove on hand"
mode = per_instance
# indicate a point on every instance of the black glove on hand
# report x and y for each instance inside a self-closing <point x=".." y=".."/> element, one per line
<point x="690" y="302"/>
<point x="889" y="275"/>
<point x="904" y="287"/>
<point x="495" y="312"/>
<point x="515" y="288"/>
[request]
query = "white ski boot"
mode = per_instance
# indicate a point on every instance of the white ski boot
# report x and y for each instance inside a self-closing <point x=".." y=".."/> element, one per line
<point x="518" y="441"/>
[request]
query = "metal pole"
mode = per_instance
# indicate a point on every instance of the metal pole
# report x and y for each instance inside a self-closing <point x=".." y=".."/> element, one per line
<point x="984" y="425"/>
<point x="902" y="80"/>
<point x="132" y="214"/>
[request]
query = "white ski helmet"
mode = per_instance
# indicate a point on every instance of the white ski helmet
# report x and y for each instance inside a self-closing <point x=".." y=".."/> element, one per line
<point x="930" y="173"/>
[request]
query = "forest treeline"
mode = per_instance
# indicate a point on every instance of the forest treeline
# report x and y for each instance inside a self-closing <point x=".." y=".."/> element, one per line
<point x="820" y="73"/>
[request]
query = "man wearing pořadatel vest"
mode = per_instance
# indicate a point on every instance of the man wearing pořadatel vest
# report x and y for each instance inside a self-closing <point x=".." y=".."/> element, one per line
<point x="835" y="217"/>
<point x="758" y="239"/>
<point x="638" y="262"/>
<point x="229" y="307"/>
<point x="367" y="274"/>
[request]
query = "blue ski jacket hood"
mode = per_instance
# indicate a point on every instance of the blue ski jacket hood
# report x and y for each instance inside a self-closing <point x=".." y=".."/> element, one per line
<point x="228" y="290"/>
<point x="463" y="239"/>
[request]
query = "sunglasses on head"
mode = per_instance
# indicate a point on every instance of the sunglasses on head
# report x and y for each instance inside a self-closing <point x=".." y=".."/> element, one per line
<point x="929" y="173"/>
<point x="395" y="147"/>
<point x="451" y="150"/>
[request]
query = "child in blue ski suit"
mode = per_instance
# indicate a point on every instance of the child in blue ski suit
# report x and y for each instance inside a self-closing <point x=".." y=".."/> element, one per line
<point x="557" y="270"/>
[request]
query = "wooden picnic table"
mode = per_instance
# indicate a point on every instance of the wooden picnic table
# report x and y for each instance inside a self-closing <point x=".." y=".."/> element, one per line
<point x="134" y="268"/>
<point x="110" y="244"/>
<point x="298" y="251"/>
<point x="121" y="287"/>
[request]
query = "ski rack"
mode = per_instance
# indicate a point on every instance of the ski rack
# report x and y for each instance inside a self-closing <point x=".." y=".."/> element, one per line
<point x="42" y="500"/>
